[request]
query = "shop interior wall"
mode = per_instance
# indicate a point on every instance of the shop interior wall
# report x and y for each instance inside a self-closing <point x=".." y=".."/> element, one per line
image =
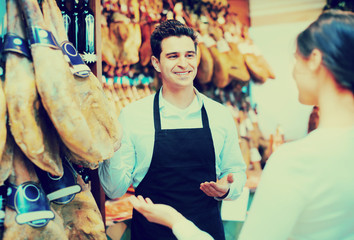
<point x="274" y="27"/>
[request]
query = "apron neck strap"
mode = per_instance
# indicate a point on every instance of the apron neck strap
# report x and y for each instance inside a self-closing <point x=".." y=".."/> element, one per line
<point x="157" y="119"/>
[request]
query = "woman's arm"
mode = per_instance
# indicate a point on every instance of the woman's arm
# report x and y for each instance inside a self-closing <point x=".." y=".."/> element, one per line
<point x="169" y="217"/>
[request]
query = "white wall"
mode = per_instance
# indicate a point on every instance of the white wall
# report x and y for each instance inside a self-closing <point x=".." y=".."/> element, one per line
<point x="274" y="27"/>
<point x="276" y="100"/>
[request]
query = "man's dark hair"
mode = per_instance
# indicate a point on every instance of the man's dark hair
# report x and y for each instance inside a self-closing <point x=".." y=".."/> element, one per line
<point x="170" y="28"/>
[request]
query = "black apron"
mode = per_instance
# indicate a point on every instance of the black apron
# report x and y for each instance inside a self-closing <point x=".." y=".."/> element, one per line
<point x="182" y="159"/>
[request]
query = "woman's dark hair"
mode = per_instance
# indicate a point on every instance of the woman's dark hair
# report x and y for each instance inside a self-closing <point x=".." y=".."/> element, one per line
<point x="169" y="28"/>
<point x="333" y="34"/>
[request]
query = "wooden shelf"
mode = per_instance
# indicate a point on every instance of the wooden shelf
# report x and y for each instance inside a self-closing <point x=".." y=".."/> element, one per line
<point x="96" y="68"/>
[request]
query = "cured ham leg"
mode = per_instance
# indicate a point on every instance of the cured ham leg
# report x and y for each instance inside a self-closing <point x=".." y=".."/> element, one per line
<point x="145" y="49"/>
<point x="118" y="88"/>
<point x="206" y="65"/>
<point x="221" y="68"/>
<point x="7" y="158"/>
<point x="94" y="104"/>
<point x="117" y="35"/>
<point x="30" y="126"/>
<point x="127" y="89"/>
<point x="55" y="89"/>
<point x="130" y="54"/>
<point x="129" y="32"/>
<point x="221" y="60"/>
<point x="23" y="171"/>
<point x="257" y="65"/>
<point x="238" y="69"/>
<point x="117" y="102"/>
<point x="232" y="34"/>
<point x="82" y="218"/>
<point x="108" y="48"/>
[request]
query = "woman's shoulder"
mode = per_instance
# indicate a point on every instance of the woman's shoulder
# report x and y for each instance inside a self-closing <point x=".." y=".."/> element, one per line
<point x="305" y="153"/>
<point x="297" y="148"/>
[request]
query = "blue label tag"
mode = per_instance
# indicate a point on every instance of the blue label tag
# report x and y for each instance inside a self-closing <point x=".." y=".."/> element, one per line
<point x="11" y="190"/>
<point x="115" y="79"/>
<point x="32" y="205"/>
<point x="60" y="190"/>
<point x="14" y="43"/>
<point x="37" y="35"/>
<point x="145" y="80"/>
<point x="132" y="81"/>
<point x="3" y="198"/>
<point x="79" y="68"/>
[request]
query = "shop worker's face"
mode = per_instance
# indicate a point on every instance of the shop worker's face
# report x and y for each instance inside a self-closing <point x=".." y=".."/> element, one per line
<point x="178" y="62"/>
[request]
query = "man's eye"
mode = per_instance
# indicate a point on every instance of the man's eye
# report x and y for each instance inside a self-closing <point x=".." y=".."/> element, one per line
<point x="172" y="56"/>
<point x="192" y="55"/>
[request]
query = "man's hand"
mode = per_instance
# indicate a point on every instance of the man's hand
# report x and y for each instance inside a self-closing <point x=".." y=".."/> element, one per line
<point x="156" y="213"/>
<point x="218" y="188"/>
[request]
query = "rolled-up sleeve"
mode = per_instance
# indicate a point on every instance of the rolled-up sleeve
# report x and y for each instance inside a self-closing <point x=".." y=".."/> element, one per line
<point x="231" y="160"/>
<point x="115" y="174"/>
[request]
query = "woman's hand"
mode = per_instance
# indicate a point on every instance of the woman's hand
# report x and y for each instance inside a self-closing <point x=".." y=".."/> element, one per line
<point x="156" y="213"/>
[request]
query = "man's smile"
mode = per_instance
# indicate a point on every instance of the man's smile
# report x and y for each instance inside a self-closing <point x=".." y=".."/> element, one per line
<point x="183" y="73"/>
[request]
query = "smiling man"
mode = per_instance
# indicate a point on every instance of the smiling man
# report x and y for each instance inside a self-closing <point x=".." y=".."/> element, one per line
<point x="179" y="147"/>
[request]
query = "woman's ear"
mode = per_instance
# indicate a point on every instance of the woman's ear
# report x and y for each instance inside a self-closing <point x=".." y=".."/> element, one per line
<point x="155" y="62"/>
<point x="315" y="59"/>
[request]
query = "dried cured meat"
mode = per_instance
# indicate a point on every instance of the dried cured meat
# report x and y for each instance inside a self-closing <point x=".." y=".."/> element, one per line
<point x="55" y="89"/>
<point x="30" y="126"/>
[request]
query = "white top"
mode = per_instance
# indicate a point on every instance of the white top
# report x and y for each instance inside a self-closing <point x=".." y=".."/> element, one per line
<point x="131" y="162"/>
<point x="306" y="190"/>
<point x="187" y="230"/>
